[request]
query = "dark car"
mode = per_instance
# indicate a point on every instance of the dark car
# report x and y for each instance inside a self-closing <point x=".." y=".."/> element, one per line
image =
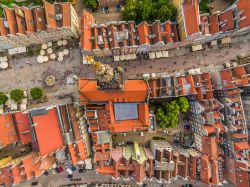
<point x="70" y="176"/>
<point x="46" y="173"/>
<point x="60" y="169"/>
<point x="81" y="170"/>
<point x="73" y="168"/>
<point x="57" y="170"/>
<point x="34" y="183"/>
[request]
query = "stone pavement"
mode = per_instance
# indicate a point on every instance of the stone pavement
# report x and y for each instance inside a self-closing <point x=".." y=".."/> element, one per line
<point x="26" y="76"/>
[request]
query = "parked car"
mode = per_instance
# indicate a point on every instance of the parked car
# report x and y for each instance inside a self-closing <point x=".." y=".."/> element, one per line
<point x="34" y="183"/>
<point x="57" y="170"/>
<point x="46" y="173"/>
<point x="73" y="168"/>
<point x="70" y="176"/>
<point x="60" y="169"/>
<point x="81" y="170"/>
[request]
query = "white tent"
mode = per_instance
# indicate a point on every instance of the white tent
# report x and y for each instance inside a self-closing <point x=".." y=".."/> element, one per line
<point x="64" y="42"/>
<point x="49" y="44"/>
<point x="53" y="56"/>
<point x="44" y="46"/>
<point x="59" y="42"/>
<point x="42" y="52"/>
<point x="45" y="58"/>
<point x="60" y="59"/>
<point x="65" y="52"/>
<point x="4" y="65"/>
<point x="49" y="50"/>
<point x="39" y="59"/>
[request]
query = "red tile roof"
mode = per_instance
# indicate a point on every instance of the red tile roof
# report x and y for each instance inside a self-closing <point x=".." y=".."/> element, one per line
<point x="3" y="30"/>
<point x="191" y="16"/>
<point x="10" y="15"/>
<point x="48" y="140"/>
<point x="50" y="13"/>
<point x="214" y="23"/>
<point x="87" y="20"/>
<point x="66" y="22"/>
<point x="239" y="146"/>
<point x="7" y="132"/>
<point x="243" y="7"/>
<point x="29" y="20"/>
<point x="21" y="24"/>
<point x="23" y="127"/>
<point x="226" y="20"/>
<point x="133" y="91"/>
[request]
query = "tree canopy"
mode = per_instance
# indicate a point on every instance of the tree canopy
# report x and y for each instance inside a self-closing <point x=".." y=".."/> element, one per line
<point x="183" y="103"/>
<point x="92" y="4"/>
<point x="3" y="98"/>
<point x="149" y="10"/>
<point x="168" y="114"/>
<point x="17" y="95"/>
<point x="36" y="93"/>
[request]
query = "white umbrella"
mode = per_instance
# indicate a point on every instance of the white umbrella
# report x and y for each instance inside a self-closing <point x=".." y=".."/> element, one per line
<point x="64" y="42"/>
<point x="44" y="46"/>
<point x="49" y="44"/>
<point x="39" y="59"/>
<point x="52" y="56"/>
<point x="42" y="52"/>
<point x="49" y="50"/>
<point x="59" y="42"/>
<point x="65" y="52"/>
<point x="4" y="65"/>
<point x="45" y="58"/>
<point x="60" y="53"/>
<point x="60" y="59"/>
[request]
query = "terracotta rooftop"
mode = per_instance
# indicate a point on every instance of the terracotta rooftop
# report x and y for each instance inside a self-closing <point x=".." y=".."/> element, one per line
<point x="42" y="124"/>
<point x="239" y="146"/>
<point x="7" y="132"/>
<point x="26" y="20"/>
<point x="23" y="127"/>
<point x="226" y="20"/>
<point x="191" y="16"/>
<point x="133" y="91"/>
<point x="214" y="23"/>
<point x="243" y="7"/>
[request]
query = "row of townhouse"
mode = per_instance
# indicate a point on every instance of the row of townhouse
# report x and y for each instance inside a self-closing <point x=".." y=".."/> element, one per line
<point x="25" y="26"/>
<point x="54" y="134"/>
<point x="216" y="117"/>
<point x="127" y="41"/>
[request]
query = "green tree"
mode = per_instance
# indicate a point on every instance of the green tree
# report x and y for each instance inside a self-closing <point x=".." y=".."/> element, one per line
<point x="3" y="98"/>
<point x="130" y="11"/>
<point x="183" y="103"/>
<point x="165" y="13"/>
<point x="17" y="95"/>
<point x="92" y="4"/>
<point x="36" y="93"/>
<point x="146" y="9"/>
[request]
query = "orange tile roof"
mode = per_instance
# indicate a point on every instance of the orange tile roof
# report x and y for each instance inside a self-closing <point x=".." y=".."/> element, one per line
<point x="191" y="16"/>
<point x="47" y="162"/>
<point x="81" y="147"/>
<point x="50" y="13"/>
<point x="143" y="33"/>
<point x="39" y="19"/>
<point x="134" y="91"/>
<point x="86" y="23"/>
<point x="210" y="147"/>
<point x="205" y="172"/>
<point x="227" y="19"/>
<point x="23" y="127"/>
<point x="239" y="146"/>
<point x="209" y="129"/>
<point x="66" y="22"/>
<point x="20" y="19"/>
<point x="240" y="135"/>
<point x="10" y="15"/>
<point x="214" y="23"/>
<point x="29" y="20"/>
<point x="48" y="141"/>
<point x="72" y="153"/>
<point x="7" y="132"/>
<point x="74" y="121"/>
<point x="16" y="172"/>
<point x="3" y="30"/>
<point x="220" y="126"/>
<point x="243" y="6"/>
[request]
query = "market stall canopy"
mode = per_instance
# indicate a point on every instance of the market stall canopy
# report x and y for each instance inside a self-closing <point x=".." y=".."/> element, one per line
<point x="4" y="65"/>
<point x="39" y="59"/>
<point x="44" y="46"/>
<point x="65" y="52"/>
<point x="49" y="50"/>
<point x="64" y="42"/>
<point x="52" y="56"/>
<point x="42" y="52"/>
